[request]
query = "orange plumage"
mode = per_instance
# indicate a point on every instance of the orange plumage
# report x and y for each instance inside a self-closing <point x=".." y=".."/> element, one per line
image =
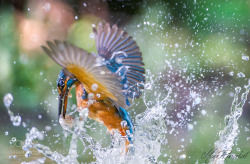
<point x="101" y="110"/>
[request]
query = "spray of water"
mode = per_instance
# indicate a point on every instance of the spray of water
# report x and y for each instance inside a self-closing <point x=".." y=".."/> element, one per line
<point x="224" y="145"/>
<point x="150" y="133"/>
<point x="16" y="120"/>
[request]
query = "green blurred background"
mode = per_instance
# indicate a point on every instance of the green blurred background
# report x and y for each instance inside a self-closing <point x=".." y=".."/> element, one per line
<point x="198" y="48"/>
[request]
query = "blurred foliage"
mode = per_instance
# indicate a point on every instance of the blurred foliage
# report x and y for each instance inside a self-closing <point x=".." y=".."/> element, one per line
<point x="83" y="37"/>
<point x="205" y="41"/>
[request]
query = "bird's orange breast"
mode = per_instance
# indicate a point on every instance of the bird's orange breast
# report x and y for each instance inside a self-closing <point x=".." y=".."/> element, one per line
<point x="100" y="110"/>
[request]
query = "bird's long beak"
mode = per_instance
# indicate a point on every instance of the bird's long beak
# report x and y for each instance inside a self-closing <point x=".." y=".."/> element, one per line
<point x="60" y="106"/>
<point x="63" y="100"/>
<point x="65" y="103"/>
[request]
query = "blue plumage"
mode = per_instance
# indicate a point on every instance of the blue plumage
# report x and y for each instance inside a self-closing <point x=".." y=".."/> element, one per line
<point x="123" y="57"/>
<point x="126" y="117"/>
<point x="70" y="82"/>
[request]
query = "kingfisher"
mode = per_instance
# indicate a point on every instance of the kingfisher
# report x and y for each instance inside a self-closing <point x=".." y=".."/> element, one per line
<point x="105" y="82"/>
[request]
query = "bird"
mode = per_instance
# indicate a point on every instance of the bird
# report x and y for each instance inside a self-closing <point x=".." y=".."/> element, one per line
<point x="105" y="82"/>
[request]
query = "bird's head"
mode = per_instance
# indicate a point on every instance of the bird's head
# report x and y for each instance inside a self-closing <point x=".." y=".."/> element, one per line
<point x="65" y="82"/>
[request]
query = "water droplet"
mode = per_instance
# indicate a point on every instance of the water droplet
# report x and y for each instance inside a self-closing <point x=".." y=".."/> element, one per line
<point x="183" y="156"/>
<point x="245" y="57"/>
<point x="94" y="87"/>
<point x="84" y="112"/>
<point x="91" y="35"/>
<point x="48" y="128"/>
<point x="125" y="85"/>
<point x="197" y="100"/>
<point x="231" y="73"/>
<point x="124" y="123"/>
<point x="190" y="126"/>
<point x="179" y="115"/>
<point x="17" y="120"/>
<point x="118" y="60"/>
<point x="40" y="116"/>
<point x="24" y="124"/>
<point x="188" y="108"/>
<point x="76" y="17"/>
<point x="102" y="72"/>
<point x="28" y="154"/>
<point x="57" y="135"/>
<point x="6" y="133"/>
<point x="91" y="96"/>
<point x="84" y="4"/>
<point x="148" y="86"/>
<point x="204" y="112"/>
<point x="13" y="139"/>
<point x="240" y="75"/>
<point x="8" y="98"/>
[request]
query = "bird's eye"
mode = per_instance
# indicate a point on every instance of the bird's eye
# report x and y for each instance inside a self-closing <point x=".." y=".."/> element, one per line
<point x="61" y="84"/>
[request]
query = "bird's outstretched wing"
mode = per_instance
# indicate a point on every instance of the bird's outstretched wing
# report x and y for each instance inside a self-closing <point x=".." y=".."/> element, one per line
<point x="88" y="70"/>
<point x="122" y="56"/>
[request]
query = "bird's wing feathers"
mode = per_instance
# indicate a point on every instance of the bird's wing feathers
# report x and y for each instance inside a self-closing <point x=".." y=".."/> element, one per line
<point x="87" y="70"/>
<point x="122" y="56"/>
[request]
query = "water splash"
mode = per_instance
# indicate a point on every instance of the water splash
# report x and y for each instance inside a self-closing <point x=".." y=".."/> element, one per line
<point x="40" y="160"/>
<point x="224" y="145"/>
<point x="151" y="130"/>
<point x="67" y="124"/>
<point x="150" y="135"/>
<point x="8" y="99"/>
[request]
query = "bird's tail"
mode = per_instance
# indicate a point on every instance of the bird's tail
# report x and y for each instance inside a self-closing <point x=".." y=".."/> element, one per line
<point x="128" y="129"/>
